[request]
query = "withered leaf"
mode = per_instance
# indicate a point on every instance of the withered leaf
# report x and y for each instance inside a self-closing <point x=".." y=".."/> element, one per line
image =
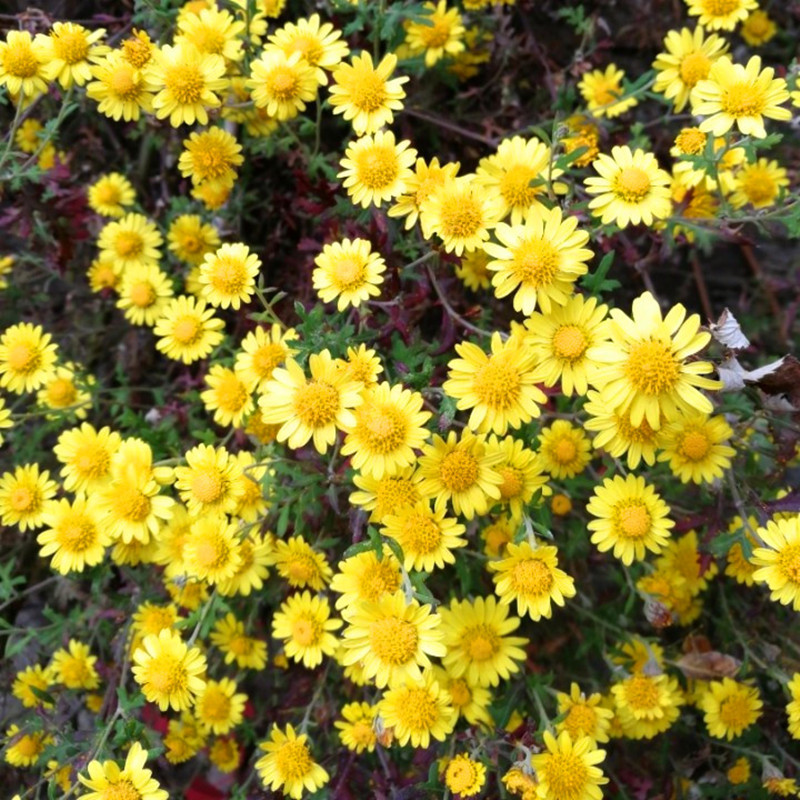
<point x="708" y="666"/>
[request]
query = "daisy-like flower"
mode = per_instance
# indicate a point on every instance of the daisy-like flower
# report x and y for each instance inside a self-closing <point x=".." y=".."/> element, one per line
<point x="28" y="679"/>
<point x="460" y="213"/>
<point x="539" y="259"/>
<point x="478" y="641"/>
<point x="426" y="536"/>
<point x="560" y="340"/>
<point x="694" y="446"/>
<point x="110" y="194"/>
<point x="500" y="388"/>
<point x="441" y="34"/>
<point x="741" y="95"/>
<point x="793" y="706"/>
<point x="388" y="427"/>
<point x="564" y="450"/>
<point x="304" y="624"/>
<point x="582" y="715"/>
<point x="365" y="95"/>
<point x="682" y="557"/>
<point x="261" y="352"/>
<point x="519" y="173"/>
<point x="144" y="293"/>
<point x="170" y="673"/>
<point x="212" y="31"/>
<point x="521" y="471"/>
<point x="74" y="666"/>
<point x="740" y="772"/>
<point x="28" y="138"/>
<point x="138" y="48"/>
<point x="310" y="408"/>
<point x="739" y="566"/>
<point x="361" y="364"/>
<point x="288" y="764"/>
<point x="719" y="15"/>
<point x="319" y="45"/>
<point x="225" y="754"/>
<point x="759" y="184"/>
<point x="631" y="188"/>
<point x="211" y="551"/>
<point x="133" y="241"/>
<point x="86" y="455"/>
<point x="24" y="496"/>
<point x="299" y="564"/>
<point x="102" y="275"/>
<point x="23" y="64"/>
<point x="778" y="561"/>
<point x="604" y="93"/>
<point x="461" y="470"/>
<point x="356" y="727"/>
<point x="191" y="239"/>
<point x="418" y="188"/>
<point x="228" y="275"/>
<point x="187" y="329"/>
<point x="227" y="396"/>
<point x="210" y="155"/>
<point x="392" y="638"/>
<point x="187" y="83"/>
<point x="630" y="517"/>
<point x="687" y="60"/>
<point x="376" y="168"/>
<point x="364" y="576"/>
<point x="25" y="749"/>
<point x="464" y="776"/>
<point x="254" y="559"/>
<point x="219" y="707"/>
<point x="531" y="578"/>
<point x="473" y="270"/>
<point x="567" y="769"/>
<point x="184" y="738"/>
<point x="75" y="535"/>
<point x="228" y="635"/>
<point x="469" y="700"/>
<point x="27" y="357"/>
<point x="730" y="708"/>
<point x="209" y="483"/>
<point x="281" y="84"/>
<point x="758" y="28"/>
<point x="646" y="704"/>
<point x="348" y="272"/>
<point x="644" y="370"/>
<point x="71" y="49"/>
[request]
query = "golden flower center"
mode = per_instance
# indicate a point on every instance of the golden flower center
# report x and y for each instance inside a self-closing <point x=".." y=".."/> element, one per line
<point x="581" y="720"/>
<point x="394" y="641"/>
<point x="789" y="563"/>
<point x="317" y="404"/>
<point x="736" y="712"/>
<point x="71" y="46"/>
<point x="564" y="451"/>
<point x="123" y="83"/>
<point x="267" y="357"/>
<point x="131" y="504"/>
<point x="641" y="694"/>
<point x="459" y="693"/>
<point x="61" y="392"/>
<point x="232" y="394"/>
<point x="208" y="486"/>
<point x="377" y="580"/>
<point x="419" y="711"/>
<point x="497" y="383"/>
<point x="459" y="471"/>
<point x="348" y="272"/>
<point x="368" y="92"/>
<point x="29" y="746"/>
<point x="302" y="568"/>
<point x="537" y="262"/>
<point x="228" y="275"/>
<point x="512" y="484"/>
<point x="282" y="83"/>
<point x="695" y="445"/>
<point x="191" y="243"/>
<point x="309" y="47"/>
<point x="421" y="534"/>
<point x="382" y="429"/>
<point x="293" y="760"/>
<point x="377" y="167"/>
<point x="211" y="160"/>
<point x="694" y="68"/>
<point x="305" y="631"/>
<point x="569" y="343"/>
<point x="567" y="776"/>
<point x="362" y="732"/>
<point x="136" y="52"/>
<point x="461" y="776"/>
<point x="719" y="8"/>
<point x="531" y="577"/>
<point x="208" y="40"/>
<point x="185" y="82"/>
<point x="216" y="705"/>
<point x="480" y="642"/>
<point x="606" y="92"/>
<point x="515" y="186"/>
<point x="20" y="61"/>
<point x="212" y="552"/>
<point x="92" y="460"/>
<point x="742" y="99"/>
<point x="461" y="217"/>
<point x="436" y="34"/>
<point x="22" y="498"/>
<point x="128" y="244"/>
<point x="167" y="674"/>
<point x="77" y="533"/>
<point x="187" y="330"/>
<point x="23" y="357"/>
<point x="691" y="141"/>
<point x="142" y="295"/>
<point x="652" y="368"/>
<point x="631" y="184"/>
<point x="758" y="185"/>
<point x="634" y="520"/>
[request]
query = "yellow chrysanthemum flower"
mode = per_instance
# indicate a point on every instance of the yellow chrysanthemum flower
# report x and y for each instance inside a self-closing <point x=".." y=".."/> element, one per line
<point x="348" y="272"/>
<point x="110" y="194"/>
<point x="210" y="156"/>
<point x="120" y="89"/>
<point x="568" y="769"/>
<point x="24" y="496"/>
<point x="218" y="707"/>
<point x="604" y="93"/>
<point x="719" y="15"/>
<point x="254" y="558"/>
<point x="779" y="560"/>
<point x="131" y="242"/>
<point x="440" y="34"/>
<point x="228" y="275"/>
<point x="469" y="700"/>
<point x="361" y="364"/>
<point x="564" y="449"/>
<point x="582" y="715"/>
<point x="227" y="396"/>
<point x="71" y="49"/>
<point x="183" y="739"/>
<point x="191" y="239"/>
<point x="694" y="446"/>
<point x="228" y="635"/>
<point x="187" y="330"/>
<point x="261" y="352"/>
<point x="74" y="666"/>
<point x="739" y="773"/>
<point x="356" y="728"/>
<point x="419" y="186"/>
<point x="473" y="270"/>
<point x="305" y="625"/>
<point x="144" y="294"/>
<point x="225" y="754"/>
<point x="75" y="535"/>
<point x="86" y="455"/>
<point x="464" y="776"/>
<point x="25" y="749"/>
<point x="211" y="552"/>
<point x="209" y="483"/>
<point x="730" y="708"/>
<point x="682" y="557"/>
<point x="299" y="564"/>
<point x="26" y="680"/>
<point x="758" y="28"/>
<point x="23" y="64"/>
<point x="213" y="31"/>
<point x="759" y="184"/>
<point x="320" y="45"/>
<point x="288" y="764"/>
<point x="646" y="705"/>
<point x="521" y="473"/>
<point x="281" y="84"/>
<point x="27" y="358"/>
<point x="364" y="576"/>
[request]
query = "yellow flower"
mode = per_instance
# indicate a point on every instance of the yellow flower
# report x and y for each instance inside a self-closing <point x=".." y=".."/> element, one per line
<point x="303" y="623"/>
<point x="720" y="14"/>
<point x="462" y="470"/>
<point x="183" y="739"/>
<point x="687" y="60"/>
<point x="630" y="518"/>
<point x="187" y="330"/>
<point x="361" y="365"/>
<point x="376" y="168"/>
<point x="210" y="156"/>
<point x="300" y="564"/>
<point x="469" y="700"/>
<point x="645" y="371"/>
<point x="191" y="239"/>
<point x="694" y="447"/>
<point x="107" y="780"/>
<point x="211" y="551"/>
<point x="473" y="270"/>
<point x="310" y="408"/>
<point x="386" y="495"/>
<point x="604" y="93"/>
<point x="227" y="396"/>
<point x="209" y="483"/>
<point x="321" y="46"/>
<point x="739" y="773"/>
<point x="759" y="184"/>
<point x="392" y="638"/>
<point x="28" y="138"/>
<point x="364" y="94"/>
<point x="364" y="576"/>
<point x="119" y="88"/>
<point x="225" y="754"/>
<point x="646" y="705"/>
<point x="74" y="667"/>
<point x="23" y="64"/>
<point x="730" y="708"/>
<point x="567" y="769"/>
<point x="228" y="275"/>
<point x="254" y="556"/>
<point x="70" y="50"/>
<point x="419" y="186"/>
<point x="212" y="31"/>
<point x="86" y="455"/>
<point x="144" y="294"/>
<point x="228" y="634"/>
<point x="281" y="84"/>
<point x="779" y="560"/>
<point x="738" y="564"/>
<point x="25" y="495"/>
<point x="218" y="707"/>
<point x="583" y="716"/>
<point x="261" y="351"/>
<point x="356" y="728"/>
<point x="793" y="706"/>
<point x="521" y="781"/>
<point x="133" y="241"/>
<point x="464" y="776"/>
<point x="137" y="49"/>
<point x="102" y="275"/>
<point x="564" y="450"/>
<point x="187" y="83"/>
<point x="682" y="557"/>
<point x="27" y="357"/>
<point x="31" y="681"/>
<point x="75" y="535"/>
<point x="758" y="28"/>
<point x="441" y="34"/>
<point x="288" y="764"/>
<point x="521" y="471"/>
<point x="170" y="673"/>
<point x="348" y="272"/>
<point x="631" y="188"/>
<point x="531" y="577"/>
<point x="25" y="749"/>
<point x="740" y="95"/>
<point x="110" y="194"/>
